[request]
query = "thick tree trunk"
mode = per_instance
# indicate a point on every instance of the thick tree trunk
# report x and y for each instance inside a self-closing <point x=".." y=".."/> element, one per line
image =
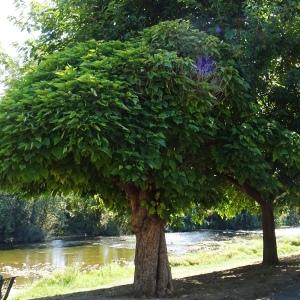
<point x="270" y="256"/>
<point x="152" y="270"/>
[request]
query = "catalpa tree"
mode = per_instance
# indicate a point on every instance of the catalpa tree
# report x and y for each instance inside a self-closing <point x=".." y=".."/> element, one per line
<point x="129" y="121"/>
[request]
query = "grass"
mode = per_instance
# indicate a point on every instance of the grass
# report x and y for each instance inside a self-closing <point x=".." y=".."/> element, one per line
<point x="230" y="254"/>
<point x="225" y="255"/>
<point x="73" y="280"/>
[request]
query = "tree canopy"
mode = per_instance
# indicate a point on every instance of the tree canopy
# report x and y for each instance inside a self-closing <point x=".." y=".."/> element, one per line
<point x="102" y="114"/>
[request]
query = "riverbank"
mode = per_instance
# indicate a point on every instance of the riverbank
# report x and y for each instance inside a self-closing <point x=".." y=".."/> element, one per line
<point x="205" y="257"/>
<point x="10" y="245"/>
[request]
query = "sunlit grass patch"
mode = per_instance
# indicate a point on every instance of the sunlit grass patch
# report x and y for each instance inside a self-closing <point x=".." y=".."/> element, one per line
<point x="73" y="280"/>
<point x="288" y="245"/>
<point x="230" y="254"/>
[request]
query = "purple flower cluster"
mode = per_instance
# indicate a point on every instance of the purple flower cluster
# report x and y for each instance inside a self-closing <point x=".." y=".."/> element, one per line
<point x="205" y="65"/>
<point x="219" y="30"/>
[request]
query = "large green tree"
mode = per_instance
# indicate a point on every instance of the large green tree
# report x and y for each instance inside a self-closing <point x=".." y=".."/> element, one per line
<point x="130" y="121"/>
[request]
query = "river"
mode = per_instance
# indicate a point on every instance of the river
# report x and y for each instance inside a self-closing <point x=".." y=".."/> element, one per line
<point x="40" y="260"/>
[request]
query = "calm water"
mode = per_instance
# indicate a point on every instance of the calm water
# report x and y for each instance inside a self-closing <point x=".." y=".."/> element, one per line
<point x="41" y="260"/>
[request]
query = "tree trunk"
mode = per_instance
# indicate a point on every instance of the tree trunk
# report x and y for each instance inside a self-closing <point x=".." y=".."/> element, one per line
<point x="152" y="275"/>
<point x="270" y="256"/>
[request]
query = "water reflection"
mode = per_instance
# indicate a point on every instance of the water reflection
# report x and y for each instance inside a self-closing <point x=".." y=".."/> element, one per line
<point x="58" y="254"/>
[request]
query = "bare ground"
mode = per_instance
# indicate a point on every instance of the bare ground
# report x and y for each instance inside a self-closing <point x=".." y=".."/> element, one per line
<point x="244" y="283"/>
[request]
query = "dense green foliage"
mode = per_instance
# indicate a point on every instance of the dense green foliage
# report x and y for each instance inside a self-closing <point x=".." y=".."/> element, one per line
<point x="102" y="115"/>
<point x="262" y="155"/>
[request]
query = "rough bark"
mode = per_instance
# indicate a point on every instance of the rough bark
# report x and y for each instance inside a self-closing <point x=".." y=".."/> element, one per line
<point x="270" y="256"/>
<point x="152" y="270"/>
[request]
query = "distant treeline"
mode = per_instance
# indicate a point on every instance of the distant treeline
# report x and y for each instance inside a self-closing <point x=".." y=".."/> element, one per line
<point x="242" y="221"/>
<point x="30" y="221"/>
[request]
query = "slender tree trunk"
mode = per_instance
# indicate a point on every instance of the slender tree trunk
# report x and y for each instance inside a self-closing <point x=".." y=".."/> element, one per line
<point x="152" y="270"/>
<point x="270" y="256"/>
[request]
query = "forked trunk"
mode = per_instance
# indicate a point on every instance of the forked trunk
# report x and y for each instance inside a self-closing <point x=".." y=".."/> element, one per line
<point x="270" y="256"/>
<point x="152" y="275"/>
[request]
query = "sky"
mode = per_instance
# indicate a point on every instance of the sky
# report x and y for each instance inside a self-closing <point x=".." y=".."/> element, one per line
<point x="9" y="32"/>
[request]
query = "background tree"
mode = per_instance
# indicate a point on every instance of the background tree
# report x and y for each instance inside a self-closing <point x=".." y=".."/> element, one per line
<point x="63" y="22"/>
<point x="16" y="224"/>
<point x="261" y="159"/>
<point x="268" y="34"/>
<point x="270" y="41"/>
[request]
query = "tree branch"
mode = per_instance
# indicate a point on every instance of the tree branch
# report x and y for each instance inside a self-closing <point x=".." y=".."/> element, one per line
<point x="247" y="189"/>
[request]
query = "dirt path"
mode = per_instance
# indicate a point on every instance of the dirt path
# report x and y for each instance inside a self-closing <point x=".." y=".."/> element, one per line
<point x="292" y="292"/>
<point x="245" y="283"/>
